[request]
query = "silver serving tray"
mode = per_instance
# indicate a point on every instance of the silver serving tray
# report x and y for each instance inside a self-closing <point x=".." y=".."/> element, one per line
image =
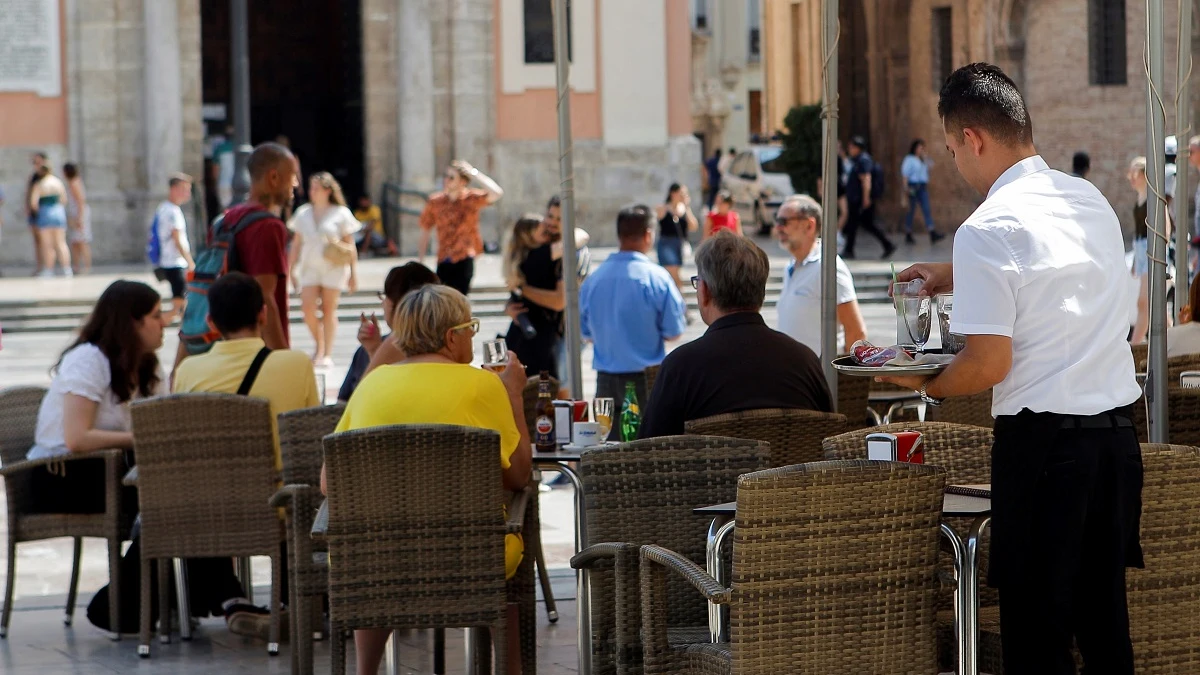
<point x="846" y="364"/>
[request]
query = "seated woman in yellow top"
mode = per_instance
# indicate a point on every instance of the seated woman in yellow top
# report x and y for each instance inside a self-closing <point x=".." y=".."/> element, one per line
<point x="435" y="384"/>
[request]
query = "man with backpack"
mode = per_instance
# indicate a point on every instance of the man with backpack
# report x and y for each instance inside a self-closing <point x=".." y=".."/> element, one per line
<point x="250" y="238"/>
<point x="864" y="187"/>
<point x="167" y="246"/>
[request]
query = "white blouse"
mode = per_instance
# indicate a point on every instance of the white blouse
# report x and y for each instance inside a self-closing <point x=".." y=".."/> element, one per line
<point x="84" y="371"/>
<point x="337" y="222"/>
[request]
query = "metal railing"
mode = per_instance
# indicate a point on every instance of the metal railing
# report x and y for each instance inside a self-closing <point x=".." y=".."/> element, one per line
<point x="396" y="201"/>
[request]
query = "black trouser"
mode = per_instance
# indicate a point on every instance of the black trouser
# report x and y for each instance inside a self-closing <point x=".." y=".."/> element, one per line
<point x="78" y="487"/>
<point x="1066" y="505"/>
<point x="612" y="385"/>
<point x="864" y="218"/>
<point x="457" y="275"/>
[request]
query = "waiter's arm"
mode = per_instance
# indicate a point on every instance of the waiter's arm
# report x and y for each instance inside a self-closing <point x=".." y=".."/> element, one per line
<point x="981" y="365"/>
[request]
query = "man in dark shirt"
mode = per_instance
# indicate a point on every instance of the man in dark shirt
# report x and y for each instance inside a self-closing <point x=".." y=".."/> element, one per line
<point x="861" y="194"/>
<point x="701" y="379"/>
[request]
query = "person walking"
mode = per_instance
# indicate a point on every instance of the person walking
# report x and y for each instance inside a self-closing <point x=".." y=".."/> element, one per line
<point x="914" y="172"/>
<point x="1032" y="276"/>
<point x="1081" y="165"/>
<point x="712" y="173"/>
<point x="675" y="221"/>
<point x="47" y="201"/>
<point x="454" y="214"/>
<point x="629" y="308"/>
<point x="79" y="221"/>
<point x="323" y="259"/>
<point x="1141" y="249"/>
<point x="169" y="233"/>
<point x="864" y="185"/>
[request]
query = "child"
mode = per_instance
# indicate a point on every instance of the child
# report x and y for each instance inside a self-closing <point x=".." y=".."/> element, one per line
<point x="724" y="218"/>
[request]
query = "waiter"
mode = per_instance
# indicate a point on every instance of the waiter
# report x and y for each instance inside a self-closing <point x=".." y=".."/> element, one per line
<point x="1034" y="277"/>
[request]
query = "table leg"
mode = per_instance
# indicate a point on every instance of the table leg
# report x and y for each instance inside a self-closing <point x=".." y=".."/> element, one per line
<point x="718" y="529"/>
<point x="960" y="596"/>
<point x="970" y="609"/>
<point x="181" y="597"/>
<point x="391" y="655"/>
<point x="583" y="604"/>
<point x="244" y="576"/>
<point x="892" y="410"/>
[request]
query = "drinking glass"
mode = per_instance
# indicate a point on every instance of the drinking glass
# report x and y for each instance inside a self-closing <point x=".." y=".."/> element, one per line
<point x="495" y="354"/>
<point x="602" y="413"/>
<point x="952" y="343"/>
<point x="321" y="387"/>
<point x="915" y="316"/>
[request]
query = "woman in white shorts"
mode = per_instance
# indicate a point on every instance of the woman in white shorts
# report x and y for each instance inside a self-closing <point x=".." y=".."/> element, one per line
<point x="323" y="259"/>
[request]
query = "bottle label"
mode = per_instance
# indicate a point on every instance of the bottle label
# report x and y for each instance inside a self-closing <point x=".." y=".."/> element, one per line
<point x="545" y="426"/>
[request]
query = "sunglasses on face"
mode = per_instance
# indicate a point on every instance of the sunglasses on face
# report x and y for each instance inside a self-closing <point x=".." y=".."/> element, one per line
<point x="473" y="324"/>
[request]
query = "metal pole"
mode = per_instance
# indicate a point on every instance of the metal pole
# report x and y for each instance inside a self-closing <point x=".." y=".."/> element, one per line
<point x="566" y="174"/>
<point x="239" y="33"/>
<point x="1183" y="130"/>
<point x="1156" y="381"/>
<point x="829" y="116"/>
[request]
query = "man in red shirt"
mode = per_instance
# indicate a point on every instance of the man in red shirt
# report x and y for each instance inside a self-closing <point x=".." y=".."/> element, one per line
<point x="261" y="248"/>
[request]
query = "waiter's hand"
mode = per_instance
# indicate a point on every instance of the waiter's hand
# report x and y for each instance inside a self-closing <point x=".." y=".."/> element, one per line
<point x="938" y="277"/>
<point x="914" y="382"/>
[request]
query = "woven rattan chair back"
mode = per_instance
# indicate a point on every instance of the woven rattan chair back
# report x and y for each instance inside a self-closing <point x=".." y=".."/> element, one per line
<point x="834" y="569"/>
<point x="975" y="410"/>
<point x="529" y="397"/>
<point x="854" y="395"/>
<point x="1140" y="354"/>
<point x="644" y="492"/>
<point x="964" y="451"/>
<point x="795" y="435"/>
<point x="206" y="472"/>
<point x="1169" y="587"/>
<point x="1183" y="414"/>
<point x="416" y="527"/>
<point x="300" y="434"/>
<point x="18" y="421"/>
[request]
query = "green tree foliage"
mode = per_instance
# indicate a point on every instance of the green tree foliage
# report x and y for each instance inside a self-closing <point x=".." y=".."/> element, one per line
<point x="802" y="147"/>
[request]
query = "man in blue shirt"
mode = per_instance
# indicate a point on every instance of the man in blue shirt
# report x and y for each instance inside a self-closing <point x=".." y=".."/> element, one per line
<point x="629" y="307"/>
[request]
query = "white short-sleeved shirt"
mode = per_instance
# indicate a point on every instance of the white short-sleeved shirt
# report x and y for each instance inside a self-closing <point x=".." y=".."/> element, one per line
<point x="799" y="305"/>
<point x="169" y="218"/>
<point x="336" y="223"/>
<point x="84" y="371"/>
<point x="1039" y="262"/>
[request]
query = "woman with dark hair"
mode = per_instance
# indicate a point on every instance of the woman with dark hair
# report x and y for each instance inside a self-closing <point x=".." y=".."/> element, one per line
<point x="529" y="268"/>
<point x="47" y="203"/>
<point x="914" y="172"/>
<point x="323" y="259"/>
<point x="675" y="221"/>
<point x="86" y="409"/>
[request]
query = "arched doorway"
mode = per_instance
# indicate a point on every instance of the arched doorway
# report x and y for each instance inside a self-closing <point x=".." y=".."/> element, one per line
<point x="306" y="72"/>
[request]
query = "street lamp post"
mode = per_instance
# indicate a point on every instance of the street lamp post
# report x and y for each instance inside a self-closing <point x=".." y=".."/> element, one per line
<point x="1156" y="381"/>
<point x="829" y="120"/>
<point x="239" y="28"/>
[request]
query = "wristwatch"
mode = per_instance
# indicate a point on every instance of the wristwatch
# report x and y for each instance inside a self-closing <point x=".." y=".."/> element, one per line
<point x="926" y="398"/>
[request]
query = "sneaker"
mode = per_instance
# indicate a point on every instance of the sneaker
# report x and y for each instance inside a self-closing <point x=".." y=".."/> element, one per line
<point x="888" y="250"/>
<point x="935" y="236"/>
<point x="45" y="274"/>
<point x="255" y="625"/>
<point x="67" y="273"/>
<point x="908" y="239"/>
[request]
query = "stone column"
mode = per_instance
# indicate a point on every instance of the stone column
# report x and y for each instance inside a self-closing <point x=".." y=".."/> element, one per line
<point x="414" y="57"/>
<point x="163" y="94"/>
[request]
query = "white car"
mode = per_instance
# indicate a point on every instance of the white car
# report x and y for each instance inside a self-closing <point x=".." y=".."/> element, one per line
<point x="759" y="184"/>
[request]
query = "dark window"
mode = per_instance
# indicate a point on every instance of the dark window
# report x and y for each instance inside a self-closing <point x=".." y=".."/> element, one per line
<point x="943" y="43"/>
<point x="539" y="31"/>
<point x="1106" y="42"/>
<point x="755" y="38"/>
<point x="700" y="15"/>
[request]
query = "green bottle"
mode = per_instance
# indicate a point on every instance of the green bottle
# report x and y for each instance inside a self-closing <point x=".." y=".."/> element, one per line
<point x="631" y="415"/>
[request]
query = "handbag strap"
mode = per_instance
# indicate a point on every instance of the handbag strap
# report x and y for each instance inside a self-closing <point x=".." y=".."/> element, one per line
<point x="252" y="374"/>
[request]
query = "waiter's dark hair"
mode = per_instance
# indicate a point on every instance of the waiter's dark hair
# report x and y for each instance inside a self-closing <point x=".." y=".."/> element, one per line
<point x="980" y="96"/>
<point x="633" y="222"/>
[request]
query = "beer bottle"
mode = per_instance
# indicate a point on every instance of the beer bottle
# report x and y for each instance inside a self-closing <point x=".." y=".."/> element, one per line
<point x="543" y="414"/>
<point x="631" y="415"/>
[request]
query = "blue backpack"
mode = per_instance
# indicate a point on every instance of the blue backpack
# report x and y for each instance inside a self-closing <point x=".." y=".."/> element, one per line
<point x="196" y="333"/>
<point x="153" y="245"/>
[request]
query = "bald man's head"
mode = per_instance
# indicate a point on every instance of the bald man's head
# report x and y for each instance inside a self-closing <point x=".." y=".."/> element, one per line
<point x="272" y="170"/>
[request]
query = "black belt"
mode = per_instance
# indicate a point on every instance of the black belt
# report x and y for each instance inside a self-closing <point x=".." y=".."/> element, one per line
<point x="1104" y="420"/>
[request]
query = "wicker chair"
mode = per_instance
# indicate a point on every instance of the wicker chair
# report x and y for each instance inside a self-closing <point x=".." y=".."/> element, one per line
<point x="18" y="421"/>
<point x="854" y="396"/>
<point x="640" y="493"/>
<point x="1168" y="589"/>
<point x="206" y="474"/>
<point x="833" y="572"/>
<point x="430" y="555"/>
<point x="1183" y="416"/>
<point x="300" y="434"/>
<point x="975" y="410"/>
<point x="1140" y="354"/>
<point x="795" y="435"/>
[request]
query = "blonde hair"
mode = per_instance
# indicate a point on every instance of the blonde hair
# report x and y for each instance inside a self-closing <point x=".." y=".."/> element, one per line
<point x="327" y="181"/>
<point x="520" y="243"/>
<point x="1138" y="164"/>
<point x="424" y="315"/>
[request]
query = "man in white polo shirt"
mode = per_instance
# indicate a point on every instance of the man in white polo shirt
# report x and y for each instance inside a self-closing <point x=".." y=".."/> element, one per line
<point x="797" y="225"/>
<point x="1033" y="278"/>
